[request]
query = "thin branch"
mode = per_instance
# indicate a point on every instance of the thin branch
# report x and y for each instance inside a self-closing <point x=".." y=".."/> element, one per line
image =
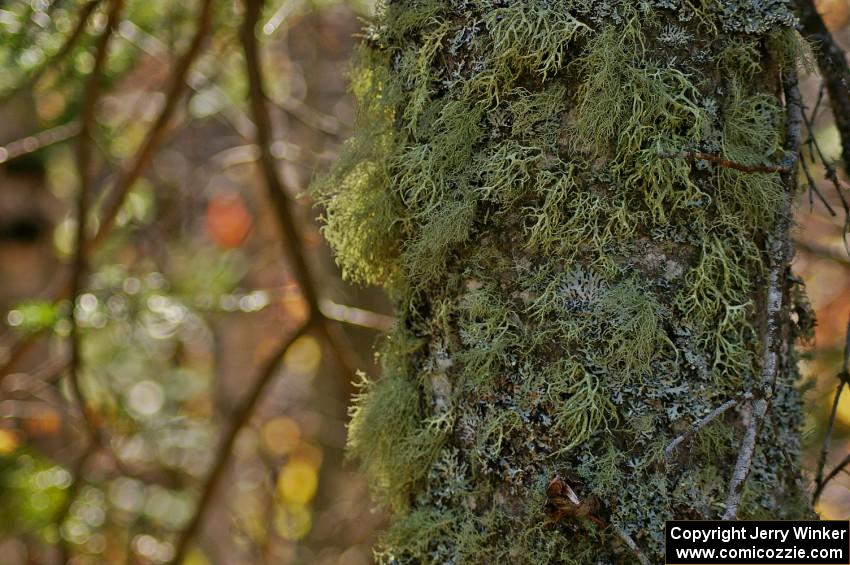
<point x="718" y="160"/>
<point x="833" y="68"/>
<point x="315" y="318"/>
<point x="745" y="459"/>
<point x="779" y="251"/>
<point x="356" y="316"/>
<point x="813" y="187"/>
<point x="155" y="136"/>
<point x="281" y="202"/>
<point x="698" y="425"/>
<point x="84" y="164"/>
<point x="16" y="352"/>
<point x="45" y="374"/>
<point x="824" y="250"/>
<point x="239" y="419"/>
<point x="40" y="140"/>
<point x="131" y="173"/>
<point x="842" y="466"/>
<point x="821" y="91"/>
<point x="833" y="178"/>
<point x="627" y="539"/>
<point x="196" y="79"/>
<point x="87" y="126"/>
<point x="820" y="483"/>
<point x="830" y="173"/>
<point x="308" y="116"/>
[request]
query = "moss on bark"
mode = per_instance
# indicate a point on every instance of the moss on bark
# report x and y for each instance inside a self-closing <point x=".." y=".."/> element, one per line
<point x="570" y="297"/>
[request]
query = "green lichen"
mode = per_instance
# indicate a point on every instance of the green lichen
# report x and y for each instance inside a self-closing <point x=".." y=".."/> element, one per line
<point x="637" y="110"/>
<point x="391" y="432"/>
<point x="573" y="290"/>
<point x="531" y="37"/>
<point x="634" y="336"/>
<point x="362" y="216"/>
<point x="580" y="405"/>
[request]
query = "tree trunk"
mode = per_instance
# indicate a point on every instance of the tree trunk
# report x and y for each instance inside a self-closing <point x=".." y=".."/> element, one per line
<point x="581" y="211"/>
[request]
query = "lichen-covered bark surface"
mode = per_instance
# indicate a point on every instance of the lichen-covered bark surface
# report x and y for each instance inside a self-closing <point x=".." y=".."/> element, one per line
<point x="572" y="292"/>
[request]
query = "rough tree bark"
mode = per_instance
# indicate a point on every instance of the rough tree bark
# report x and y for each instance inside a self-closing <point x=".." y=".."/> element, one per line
<point x="581" y="210"/>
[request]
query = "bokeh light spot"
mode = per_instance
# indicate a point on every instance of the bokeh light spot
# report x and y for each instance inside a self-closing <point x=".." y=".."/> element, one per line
<point x="304" y="356"/>
<point x="280" y="435"/>
<point x="8" y="441"/>
<point x="146" y="398"/>
<point x="293" y="522"/>
<point x="297" y="482"/>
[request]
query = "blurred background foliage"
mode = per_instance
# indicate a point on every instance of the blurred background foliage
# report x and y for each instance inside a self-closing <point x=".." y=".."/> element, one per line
<point x="189" y="293"/>
<point x="184" y="300"/>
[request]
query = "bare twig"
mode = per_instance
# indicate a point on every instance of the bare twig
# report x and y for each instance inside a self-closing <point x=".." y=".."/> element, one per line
<point x="44" y="375"/>
<point x="315" y="317"/>
<point x="195" y="78"/>
<point x="33" y="143"/>
<point x="745" y="459"/>
<point x="779" y="252"/>
<point x="723" y="162"/>
<point x="820" y="483"/>
<point x="813" y="187"/>
<point x="239" y="419"/>
<point x="79" y="263"/>
<point x="821" y="91"/>
<point x="131" y="173"/>
<point x="841" y="467"/>
<point x="809" y="143"/>
<point x="833" y="67"/>
<point x="17" y="351"/>
<point x="831" y="175"/>
<point x="91" y="97"/>
<point x="356" y="316"/>
<point x="824" y="250"/>
<point x="698" y="425"/>
<point x="627" y="539"/>
<point x="155" y="136"/>
<point x="282" y="204"/>
<point x="310" y="117"/>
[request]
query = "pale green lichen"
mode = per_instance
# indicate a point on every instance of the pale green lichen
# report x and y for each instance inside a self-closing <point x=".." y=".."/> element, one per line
<point x="572" y="290"/>
<point x="531" y="37"/>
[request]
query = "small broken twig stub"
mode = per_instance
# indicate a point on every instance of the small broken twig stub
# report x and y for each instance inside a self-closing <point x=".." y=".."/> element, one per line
<point x="778" y="255"/>
<point x="698" y="425"/>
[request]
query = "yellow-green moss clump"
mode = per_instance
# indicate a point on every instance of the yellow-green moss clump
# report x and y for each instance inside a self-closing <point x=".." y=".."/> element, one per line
<point x="573" y="291"/>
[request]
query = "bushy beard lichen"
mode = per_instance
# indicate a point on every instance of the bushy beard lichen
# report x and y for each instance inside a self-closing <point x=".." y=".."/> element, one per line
<point x="570" y="296"/>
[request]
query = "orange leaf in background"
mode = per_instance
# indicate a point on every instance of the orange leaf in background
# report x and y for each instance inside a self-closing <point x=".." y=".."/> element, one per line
<point x="227" y="221"/>
<point x="835" y="13"/>
<point x="293" y="304"/>
<point x="42" y="421"/>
